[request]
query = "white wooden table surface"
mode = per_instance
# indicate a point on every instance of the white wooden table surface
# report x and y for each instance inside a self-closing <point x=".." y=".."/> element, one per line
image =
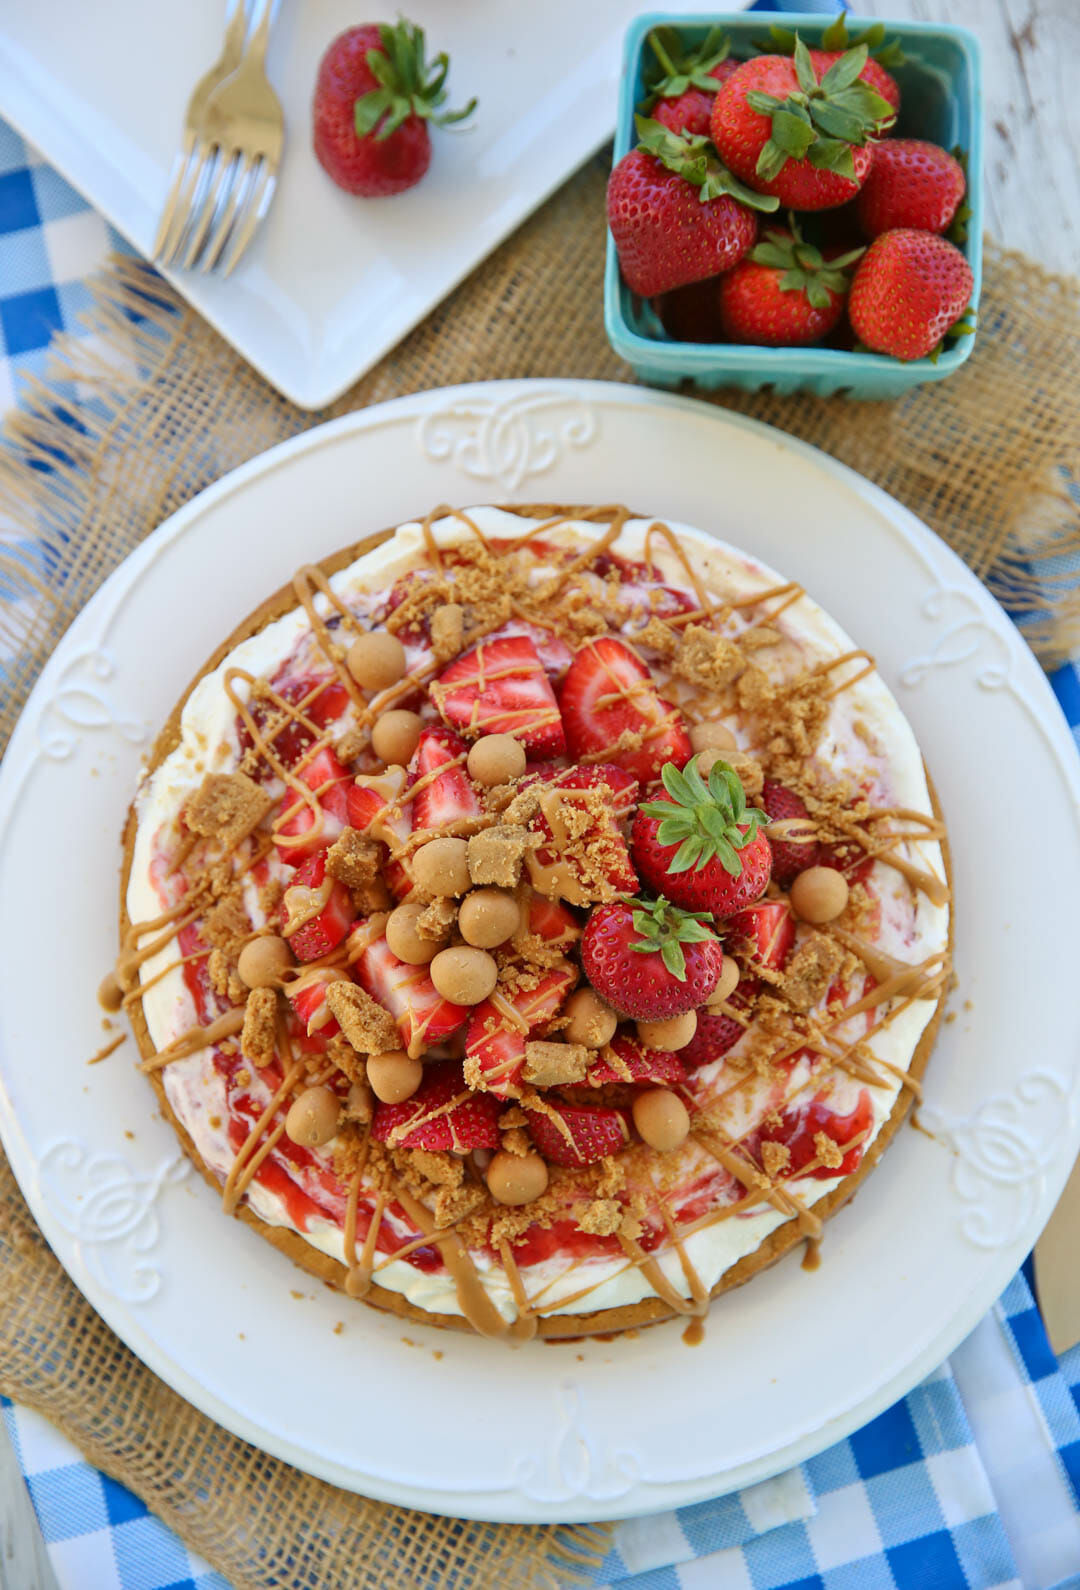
<point x="1030" y="51"/>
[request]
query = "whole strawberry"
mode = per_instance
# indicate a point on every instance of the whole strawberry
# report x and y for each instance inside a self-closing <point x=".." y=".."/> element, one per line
<point x="911" y="184"/>
<point x="873" y="75"/>
<point x="683" y="84"/>
<point x="836" y="40"/>
<point x="804" y="140"/>
<point x="650" y="960"/>
<point x="792" y="836"/>
<point x="374" y="96"/>
<point x="909" y="288"/>
<point x="700" y="844"/>
<point x="676" y="215"/>
<point x="784" y="293"/>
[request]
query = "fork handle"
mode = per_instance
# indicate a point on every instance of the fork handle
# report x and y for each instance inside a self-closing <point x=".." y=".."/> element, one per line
<point x="262" y="12"/>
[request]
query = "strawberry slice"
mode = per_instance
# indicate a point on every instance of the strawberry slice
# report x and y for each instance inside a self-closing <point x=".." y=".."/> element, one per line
<point x="553" y="652"/>
<point x="608" y="692"/>
<point x="318" y="705"/>
<point x="799" y="1125"/>
<point x="424" y="1017"/>
<point x="374" y="807"/>
<point x="586" y="1133"/>
<point x="500" y="687"/>
<point x="446" y="796"/>
<point x="442" y="1115"/>
<point x="553" y="922"/>
<point x="307" y="996"/>
<point x="322" y="905"/>
<point x="576" y="879"/>
<point x="495" y="1043"/>
<point x="716" y="1031"/>
<point x="303" y="832"/>
<point x="790" y="855"/>
<point x="657" y="1067"/>
<point x="764" y="933"/>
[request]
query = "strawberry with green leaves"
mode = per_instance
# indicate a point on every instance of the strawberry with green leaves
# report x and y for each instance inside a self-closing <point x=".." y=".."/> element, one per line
<point x="649" y="959"/>
<point x="676" y="214"/>
<point x="785" y="293"/>
<point x="804" y="139"/>
<point x="835" y="41"/>
<point x="909" y="289"/>
<point x="684" y="83"/>
<point x="700" y="844"/>
<point x="375" y="96"/>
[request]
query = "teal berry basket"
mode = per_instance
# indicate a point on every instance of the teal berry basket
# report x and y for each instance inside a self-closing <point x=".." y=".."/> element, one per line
<point x="941" y="100"/>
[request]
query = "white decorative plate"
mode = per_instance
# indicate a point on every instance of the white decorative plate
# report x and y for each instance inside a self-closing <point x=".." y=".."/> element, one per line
<point x="331" y="282"/>
<point x="789" y="1363"/>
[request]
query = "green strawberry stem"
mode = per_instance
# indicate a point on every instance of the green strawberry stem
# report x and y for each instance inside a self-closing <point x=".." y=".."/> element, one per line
<point x="694" y="158"/>
<point x="707" y="821"/>
<point x="681" y="69"/>
<point x="804" y="266"/>
<point x="821" y="122"/>
<point x="781" y="41"/>
<point x="665" y="928"/>
<point x="408" y="86"/>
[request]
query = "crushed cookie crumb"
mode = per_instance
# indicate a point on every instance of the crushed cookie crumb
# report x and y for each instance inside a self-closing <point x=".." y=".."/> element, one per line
<point x="601" y="1218"/>
<point x="226" y="806"/>
<point x="549" y="1065"/>
<point x="350" y="745"/>
<point x="707" y="659"/>
<point x="658" y="636"/>
<point x="495" y="855"/>
<point x="455" y="1203"/>
<point x="775" y="1157"/>
<point x="827" y="1151"/>
<point x="442" y="1170"/>
<point x="517" y="1141"/>
<point x="810" y="971"/>
<point x="514" y="1116"/>
<point x="217" y="971"/>
<point x="354" y="859"/>
<point x="258" y="1035"/>
<point x="368" y="1027"/>
<point x="437" y="918"/>
<point x="226" y="925"/>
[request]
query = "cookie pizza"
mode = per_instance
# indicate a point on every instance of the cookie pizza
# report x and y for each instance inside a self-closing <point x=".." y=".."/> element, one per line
<point x="536" y="920"/>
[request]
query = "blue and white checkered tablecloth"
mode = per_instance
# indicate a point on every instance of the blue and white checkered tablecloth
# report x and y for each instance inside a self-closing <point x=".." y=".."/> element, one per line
<point x="972" y="1482"/>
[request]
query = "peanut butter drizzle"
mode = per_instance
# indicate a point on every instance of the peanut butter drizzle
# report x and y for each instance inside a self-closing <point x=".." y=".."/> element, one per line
<point x="306" y="581"/>
<point x="525" y="1326"/>
<point x="831" y="663"/>
<point x="811" y="1259"/>
<point x="110" y="994"/>
<point x="131" y="957"/>
<point x="473" y="1300"/>
<point x="358" y="1280"/>
<point x="107" y="1049"/>
<point x="196" y="1038"/>
<point x="694" y="1334"/>
<point x="665" y="533"/>
<point x="749" y="1177"/>
<point x="248" y="1159"/>
<point x="936" y="890"/>
<point x="699" y="1293"/>
<point x="893" y="977"/>
<point x="136" y="993"/>
<point x="659" y="1282"/>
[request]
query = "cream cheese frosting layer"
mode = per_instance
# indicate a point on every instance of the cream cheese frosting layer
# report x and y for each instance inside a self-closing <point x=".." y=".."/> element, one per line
<point x="867" y="741"/>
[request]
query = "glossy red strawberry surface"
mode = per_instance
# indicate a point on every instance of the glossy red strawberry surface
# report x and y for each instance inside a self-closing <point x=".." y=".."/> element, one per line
<point x="633" y="973"/>
<point x="909" y="288"/>
<point x="912" y="183"/>
<point x="369" y="166"/>
<point x="665" y="236"/>
<point x="323" y="926"/>
<point x="579" y="1134"/>
<point x="501" y="687"/>
<point x="443" y="1115"/>
<point x="608" y="692"/>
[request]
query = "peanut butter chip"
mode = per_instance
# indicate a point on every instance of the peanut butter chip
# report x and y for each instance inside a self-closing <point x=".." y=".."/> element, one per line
<point x="463" y="975"/>
<point x="819" y="894"/>
<point x="442" y="866"/>
<point x="488" y="917"/>
<point x="591" y="1020"/>
<point x="662" y="1119"/>
<point x="517" y="1178"/>
<point x="404" y="937"/>
<point x="674" y="1033"/>
<point x="376" y="660"/>
<point x="496" y="759"/>
<point x="712" y="737"/>
<point x="394" y="736"/>
<point x="264" y="962"/>
<point x="394" y="1076"/>
<point x="313" y="1117"/>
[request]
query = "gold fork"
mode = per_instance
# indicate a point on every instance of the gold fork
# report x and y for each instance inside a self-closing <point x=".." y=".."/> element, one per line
<point x="236" y="138"/>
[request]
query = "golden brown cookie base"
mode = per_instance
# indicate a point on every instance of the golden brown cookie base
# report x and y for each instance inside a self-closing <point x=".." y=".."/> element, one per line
<point x="649" y="1311"/>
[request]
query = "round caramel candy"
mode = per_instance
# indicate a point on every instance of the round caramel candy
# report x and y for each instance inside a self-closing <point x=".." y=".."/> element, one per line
<point x="674" y="1033"/>
<point x="495" y="759"/>
<point x="463" y="975"/>
<point x="442" y="866"/>
<point x="376" y="660"/>
<point x="393" y="1076"/>
<point x="488" y="917"/>
<point x="819" y="894"/>
<point x="313" y="1117"/>
<point x="264" y="961"/>
<point x="394" y="736"/>
<point x="661" y="1118"/>
<point x="727" y="983"/>
<point x="404" y="939"/>
<point x="591" y="1019"/>
<point x="712" y="737"/>
<point x="516" y="1178"/>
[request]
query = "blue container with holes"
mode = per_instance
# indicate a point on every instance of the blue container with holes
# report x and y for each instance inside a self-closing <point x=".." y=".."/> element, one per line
<point x="941" y="100"/>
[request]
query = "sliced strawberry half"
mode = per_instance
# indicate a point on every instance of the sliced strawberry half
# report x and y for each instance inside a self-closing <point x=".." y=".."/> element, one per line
<point x="602" y="838"/>
<point x="553" y="922"/>
<point x="323" y="907"/>
<point x="446" y="793"/>
<point x="800" y="1124"/>
<point x="307" y="996"/>
<point x="319" y="706"/>
<point x="790" y="855"/>
<point x="425" y="1019"/>
<point x="608" y="692"/>
<point x="718" y="1032"/>
<point x="442" y="1115"/>
<point x="764" y="933"/>
<point x="500" y="687"/>
<point x="581" y="1135"/>
<point x="303" y="830"/>
<point x="495" y="1042"/>
<point x="630" y="1061"/>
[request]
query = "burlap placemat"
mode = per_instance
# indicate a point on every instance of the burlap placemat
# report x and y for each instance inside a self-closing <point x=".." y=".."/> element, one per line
<point x="163" y="408"/>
